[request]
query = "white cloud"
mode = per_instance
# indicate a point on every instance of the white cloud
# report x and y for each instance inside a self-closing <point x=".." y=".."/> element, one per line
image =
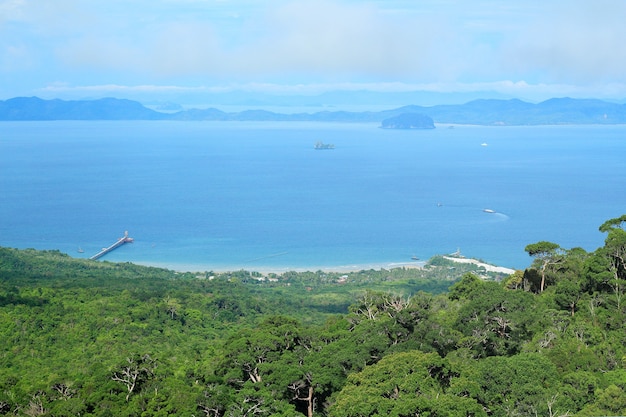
<point x="11" y="10"/>
<point x="450" y="44"/>
<point x="16" y="57"/>
<point x="582" y="43"/>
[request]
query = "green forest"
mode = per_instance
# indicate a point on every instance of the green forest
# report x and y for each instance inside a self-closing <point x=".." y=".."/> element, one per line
<point x="97" y="338"/>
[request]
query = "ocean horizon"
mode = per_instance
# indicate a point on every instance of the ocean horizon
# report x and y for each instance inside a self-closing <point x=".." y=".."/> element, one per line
<point x="258" y="196"/>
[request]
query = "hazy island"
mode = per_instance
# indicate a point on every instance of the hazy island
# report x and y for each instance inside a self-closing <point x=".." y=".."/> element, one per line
<point x="478" y="112"/>
<point x="408" y="121"/>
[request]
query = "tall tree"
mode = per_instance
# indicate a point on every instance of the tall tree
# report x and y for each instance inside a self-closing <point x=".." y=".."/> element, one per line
<point x="612" y="224"/>
<point x="137" y="370"/>
<point x="547" y="254"/>
<point x="569" y="288"/>
<point x="615" y="250"/>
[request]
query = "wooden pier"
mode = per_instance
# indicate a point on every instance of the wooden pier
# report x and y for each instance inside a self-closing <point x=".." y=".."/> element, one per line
<point x="120" y="242"/>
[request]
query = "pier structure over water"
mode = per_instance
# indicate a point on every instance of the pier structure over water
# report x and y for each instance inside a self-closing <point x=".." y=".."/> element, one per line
<point x="120" y="242"/>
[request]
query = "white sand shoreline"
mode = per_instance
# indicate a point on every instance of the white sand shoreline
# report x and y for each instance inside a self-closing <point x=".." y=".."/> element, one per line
<point x="488" y="268"/>
<point x="267" y="269"/>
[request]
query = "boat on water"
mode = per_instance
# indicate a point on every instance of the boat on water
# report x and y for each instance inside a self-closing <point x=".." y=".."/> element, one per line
<point x="322" y="145"/>
<point x="489" y="210"/>
<point x="80" y="250"/>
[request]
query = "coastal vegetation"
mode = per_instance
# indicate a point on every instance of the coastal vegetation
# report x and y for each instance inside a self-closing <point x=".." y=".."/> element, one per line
<point x="89" y="338"/>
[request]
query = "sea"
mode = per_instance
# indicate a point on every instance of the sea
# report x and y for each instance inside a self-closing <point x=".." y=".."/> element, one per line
<point x="216" y="196"/>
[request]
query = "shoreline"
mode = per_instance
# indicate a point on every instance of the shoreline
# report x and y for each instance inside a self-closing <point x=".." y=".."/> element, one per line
<point x="267" y="269"/>
<point x="197" y="268"/>
<point x="488" y="267"/>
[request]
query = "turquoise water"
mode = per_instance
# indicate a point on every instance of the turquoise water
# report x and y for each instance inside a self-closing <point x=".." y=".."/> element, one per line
<point x="223" y="195"/>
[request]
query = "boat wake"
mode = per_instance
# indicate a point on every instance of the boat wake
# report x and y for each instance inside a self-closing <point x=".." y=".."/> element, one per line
<point x="500" y="216"/>
<point x="493" y="213"/>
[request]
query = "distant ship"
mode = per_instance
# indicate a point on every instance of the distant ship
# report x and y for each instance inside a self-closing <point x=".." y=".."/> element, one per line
<point x="322" y="145"/>
<point x="489" y="211"/>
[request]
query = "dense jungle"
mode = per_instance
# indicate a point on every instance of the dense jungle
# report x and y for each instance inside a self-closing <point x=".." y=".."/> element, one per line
<point x="96" y="338"/>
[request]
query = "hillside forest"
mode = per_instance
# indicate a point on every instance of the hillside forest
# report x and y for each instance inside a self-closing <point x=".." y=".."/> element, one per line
<point x="96" y="338"/>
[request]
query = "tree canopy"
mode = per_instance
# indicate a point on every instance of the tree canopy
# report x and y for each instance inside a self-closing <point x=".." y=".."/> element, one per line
<point x="106" y="339"/>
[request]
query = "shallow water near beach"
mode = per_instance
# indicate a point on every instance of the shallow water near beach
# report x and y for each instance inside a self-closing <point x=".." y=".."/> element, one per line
<point x="257" y="195"/>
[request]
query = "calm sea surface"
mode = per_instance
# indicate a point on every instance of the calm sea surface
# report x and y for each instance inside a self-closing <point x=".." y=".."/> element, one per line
<point x="231" y="195"/>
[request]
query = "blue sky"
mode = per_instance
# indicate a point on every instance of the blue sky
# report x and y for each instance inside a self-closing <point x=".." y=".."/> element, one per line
<point x="530" y="49"/>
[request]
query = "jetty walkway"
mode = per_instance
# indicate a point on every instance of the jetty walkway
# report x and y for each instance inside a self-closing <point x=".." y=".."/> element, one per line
<point x="120" y="242"/>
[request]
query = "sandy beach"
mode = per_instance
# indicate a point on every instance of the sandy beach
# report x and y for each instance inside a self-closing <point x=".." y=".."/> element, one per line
<point x="197" y="268"/>
<point x="282" y="269"/>
<point x="489" y="268"/>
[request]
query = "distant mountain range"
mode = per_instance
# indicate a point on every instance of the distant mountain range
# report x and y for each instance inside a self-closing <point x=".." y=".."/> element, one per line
<point x="479" y="112"/>
<point x="408" y="121"/>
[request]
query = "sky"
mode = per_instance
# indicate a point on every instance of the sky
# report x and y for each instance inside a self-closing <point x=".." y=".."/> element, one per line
<point x="165" y="49"/>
